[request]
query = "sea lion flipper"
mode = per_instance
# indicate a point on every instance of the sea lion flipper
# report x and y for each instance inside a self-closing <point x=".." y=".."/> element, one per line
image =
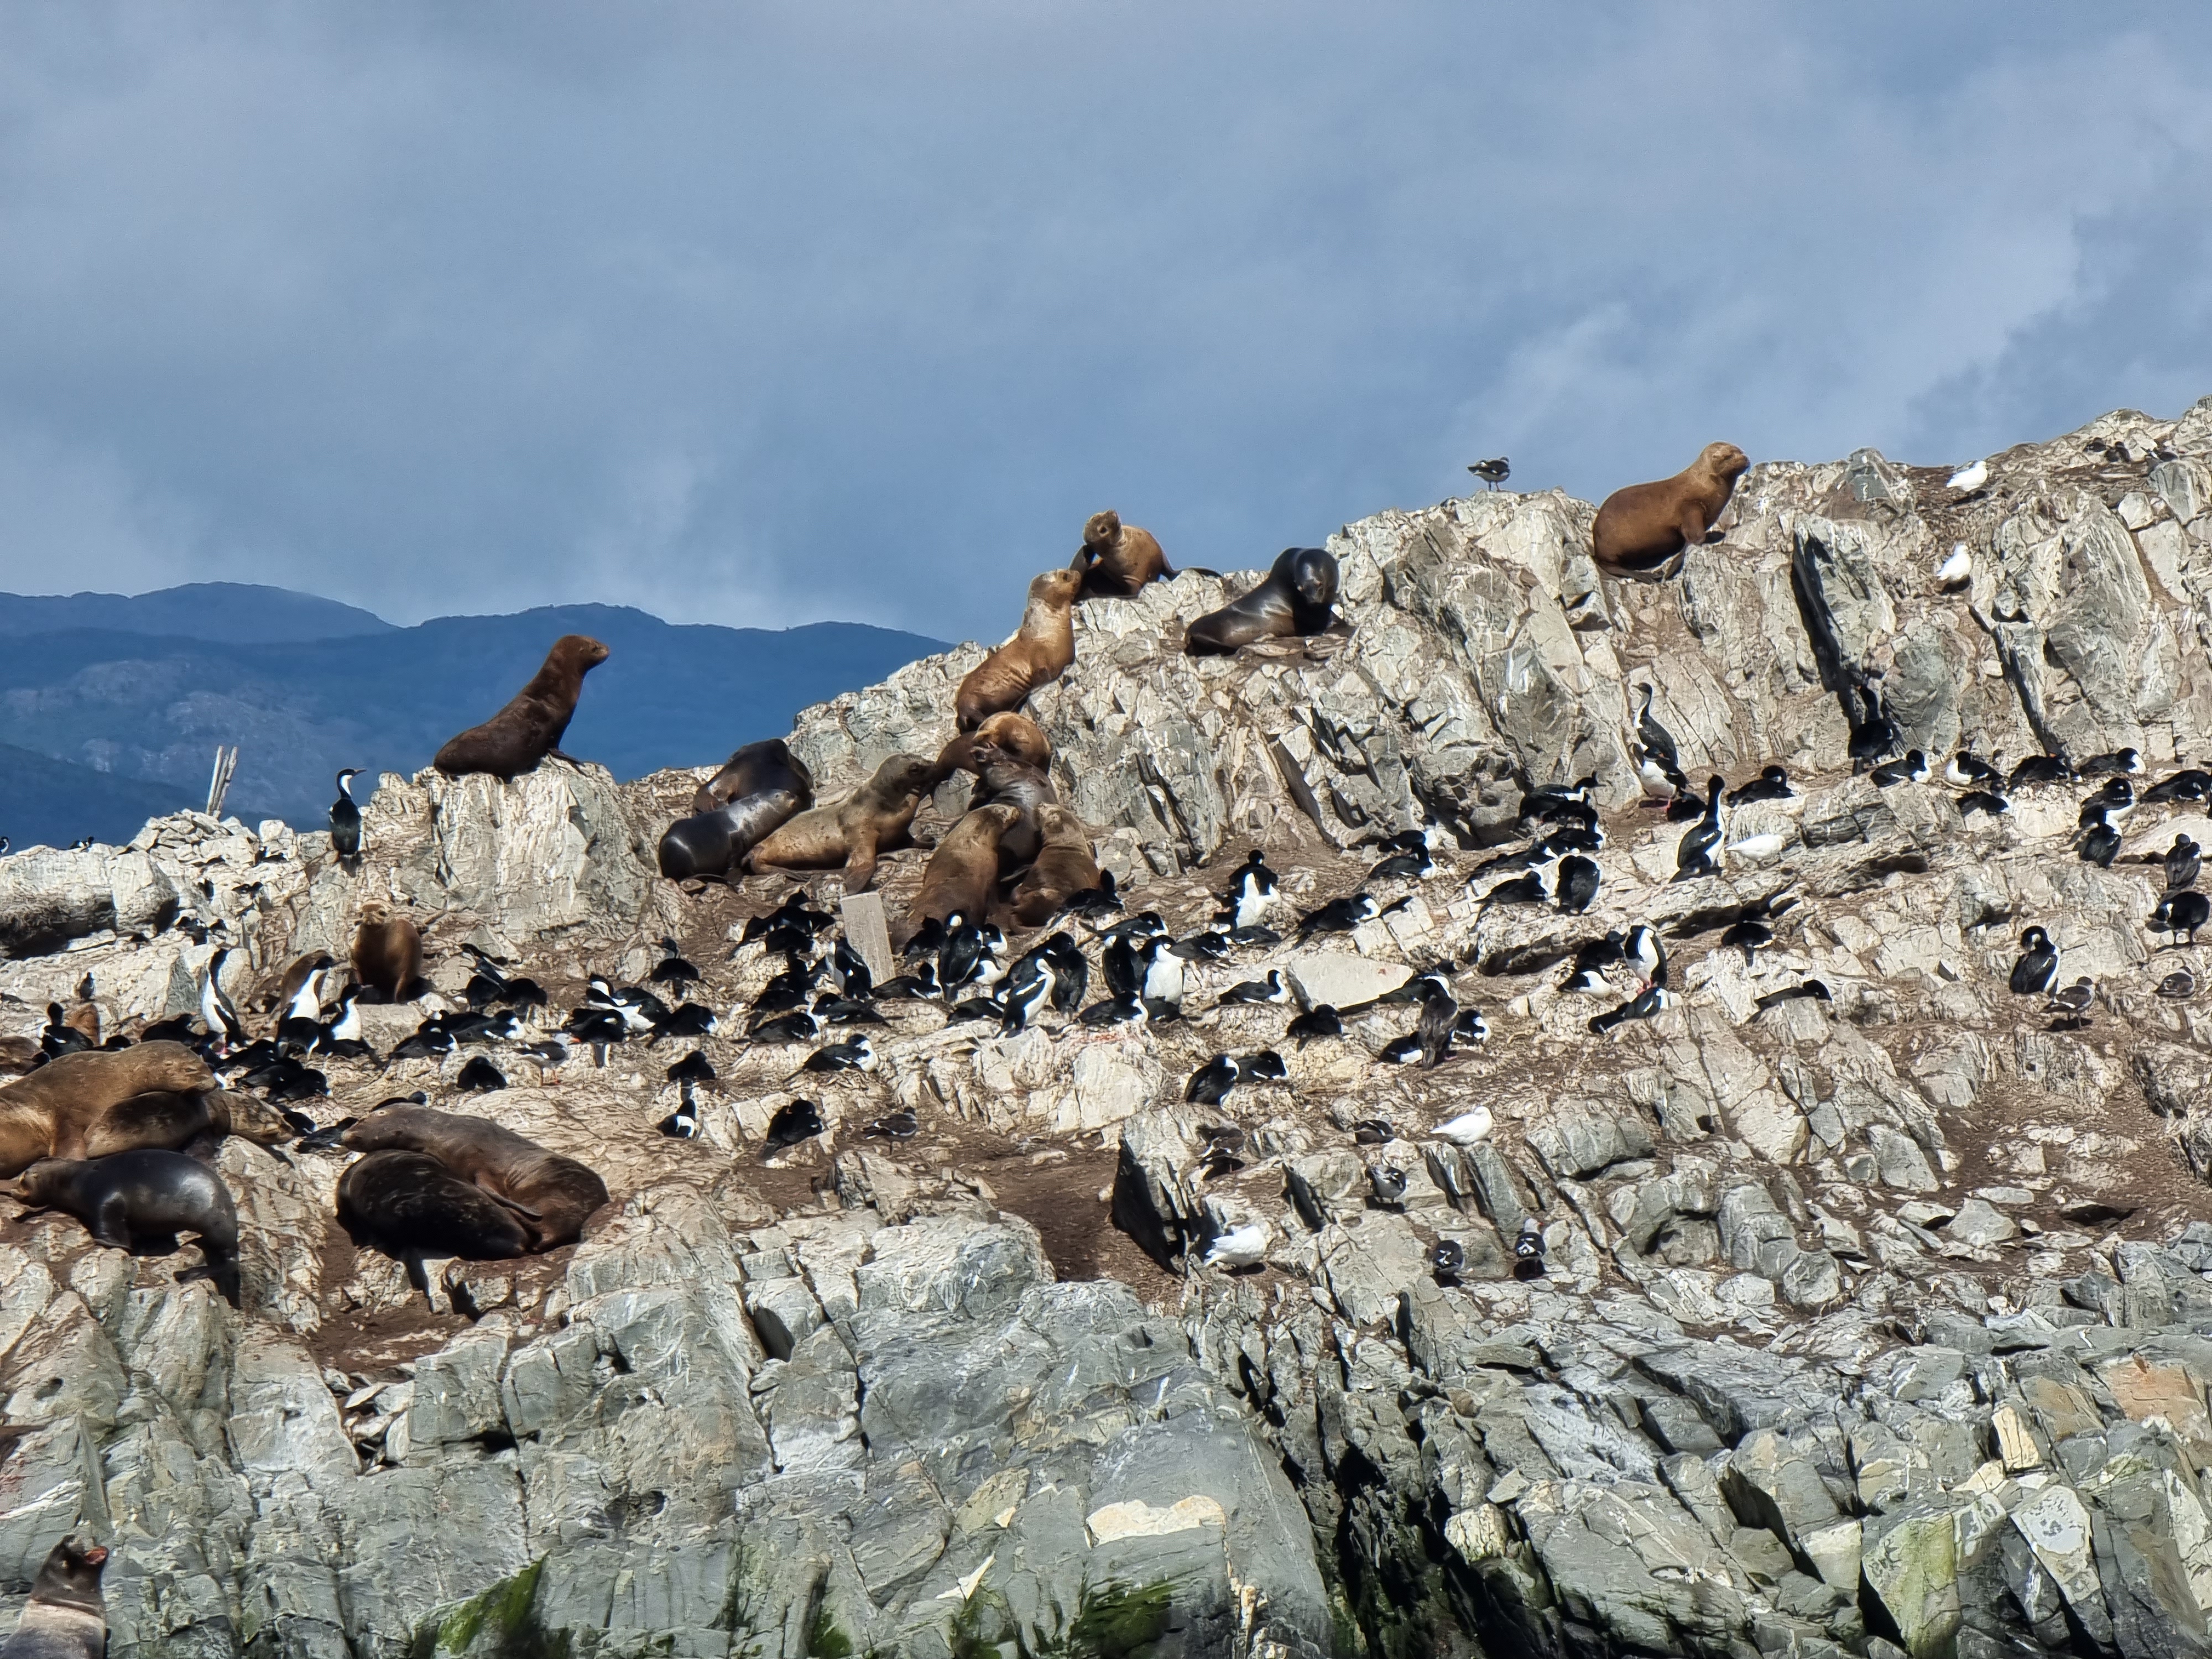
<point x="860" y="862"/>
<point x="110" y="1223"/>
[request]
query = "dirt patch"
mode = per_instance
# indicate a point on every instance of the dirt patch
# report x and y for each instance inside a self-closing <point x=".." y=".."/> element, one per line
<point x="1060" y="1198"/>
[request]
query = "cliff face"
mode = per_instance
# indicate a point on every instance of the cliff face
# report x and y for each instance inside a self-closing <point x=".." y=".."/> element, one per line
<point x="1877" y="1321"/>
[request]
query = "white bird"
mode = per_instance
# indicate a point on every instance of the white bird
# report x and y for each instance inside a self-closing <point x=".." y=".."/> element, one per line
<point x="1469" y="1127"/>
<point x="1957" y="570"/>
<point x="1757" y="847"/>
<point x="1968" y="479"/>
<point x="1240" y="1247"/>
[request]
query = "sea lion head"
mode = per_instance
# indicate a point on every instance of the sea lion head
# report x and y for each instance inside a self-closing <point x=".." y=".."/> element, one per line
<point x="1102" y="530"/>
<point x="169" y="1066"/>
<point x="250" y="1118"/>
<point x="1061" y="828"/>
<point x="1725" y="461"/>
<point x="71" y="1575"/>
<point x="902" y="776"/>
<point x="39" y="1183"/>
<point x="1011" y="736"/>
<point x="1057" y="588"/>
<point x="579" y="652"/>
<point x="375" y="913"/>
<point x="1311" y="573"/>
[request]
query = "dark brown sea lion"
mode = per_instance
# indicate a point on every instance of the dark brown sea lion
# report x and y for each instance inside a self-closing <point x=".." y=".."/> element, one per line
<point x="141" y="1200"/>
<point x="409" y="1203"/>
<point x="1117" y="560"/>
<point x="387" y="952"/>
<point x="531" y="724"/>
<point x="963" y="872"/>
<point x="1037" y="655"/>
<point x="1065" y="865"/>
<point x="161" y="1118"/>
<point x="66" y="1617"/>
<point x="1296" y="597"/>
<point x="759" y="789"/>
<point x="1642" y="529"/>
<point x="875" y="818"/>
<point x="552" y="1195"/>
<point x="49" y="1113"/>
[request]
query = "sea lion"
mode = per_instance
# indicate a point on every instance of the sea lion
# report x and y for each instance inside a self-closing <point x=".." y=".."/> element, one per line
<point x="49" y="1113"/>
<point x="758" y="790"/>
<point x="1008" y="734"/>
<point x="141" y="1200"/>
<point x="66" y="1617"/>
<point x="1296" y="597"/>
<point x="874" y="819"/>
<point x="552" y="1195"/>
<point x="161" y="1118"/>
<point x="1064" y="866"/>
<point x="1038" y="655"/>
<point x="1640" y="530"/>
<point x="387" y="952"/>
<point x="531" y="727"/>
<point x="1116" y="559"/>
<point x="408" y="1203"/>
<point x="963" y="872"/>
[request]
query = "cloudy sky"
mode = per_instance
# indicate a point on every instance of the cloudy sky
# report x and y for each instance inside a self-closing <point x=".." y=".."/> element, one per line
<point x="771" y="313"/>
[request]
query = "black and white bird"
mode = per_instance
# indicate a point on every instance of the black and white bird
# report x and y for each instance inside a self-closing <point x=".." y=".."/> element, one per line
<point x="1968" y="770"/>
<point x="1982" y="800"/>
<point x="2112" y="802"/>
<point x="2037" y="970"/>
<point x="1446" y="1257"/>
<point x="2121" y="762"/>
<point x="1811" y="989"/>
<point x="1528" y="1250"/>
<point x="1269" y="990"/>
<point x="2178" y="985"/>
<point x="797" y="1026"/>
<point x="1373" y="1132"/>
<point x="857" y="1056"/>
<point x="1652" y="1002"/>
<point x="1492" y="472"/>
<point x="2183" y="861"/>
<point x="480" y="1076"/>
<point x="1209" y="945"/>
<point x="345" y="817"/>
<point x="1694" y="854"/>
<point x="1874" y="733"/>
<point x="2072" y="1003"/>
<point x="1209" y="1084"/>
<point x="1263" y="1065"/>
<point x="1318" y="1021"/>
<point x="1404" y="867"/>
<point x="1439" y="1021"/>
<point x="2039" y="770"/>
<point x="1643" y="951"/>
<point x="1386" y="1184"/>
<point x="1913" y="769"/>
<point x="690" y="1019"/>
<point x="683" y="1123"/>
<point x="1250" y="893"/>
<point x="1578" y="879"/>
<point x="1592" y="957"/>
<point x="1749" y="935"/>
<point x="1531" y="888"/>
<point x="901" y="1125"/>
<point x="1560" y="803"/>
<point x="1772" y="783"/>
<point x="2182" y="913"/>
<point x="1123" y="1008"/>
<point x="919" y="986"/>
<point x="217" y="1012"/>
<point x="1029" y="988"/>
<point x="1092" y="902"/>
<point x="794" y="1120"/>
<point x="694" y="1067"/>
<point x="2100" y="843"/>
<point x="60" y="1038"/>
<point x="2192" y="783"/>
<point x="1338" y="916"/>
<point x="1655" y="739"/>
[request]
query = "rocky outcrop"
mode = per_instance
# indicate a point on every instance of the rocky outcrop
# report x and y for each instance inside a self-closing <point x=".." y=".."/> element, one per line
<point x="1867" y="1322"/>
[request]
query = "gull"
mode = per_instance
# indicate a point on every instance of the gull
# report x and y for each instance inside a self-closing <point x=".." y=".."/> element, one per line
<point x="1968" y="479"/>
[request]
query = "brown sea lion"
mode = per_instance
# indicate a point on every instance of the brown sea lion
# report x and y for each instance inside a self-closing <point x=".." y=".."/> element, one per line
<point x="963" y="872"/>
<point x="409" y="1203"/>
<point x="759" y="789"/>
<point x="1117" y="560"/>
<point x="1037" y="655"/>
<point x="1005" y="735"/>
<point x="552" y="1195"/>
<point x="140" y="1201"/>
<point x="874" y="819"/>
<point x="49" y="1113"/>
<point x="1296" y="597"/>
<point x="1065" y="865"/>
<point x="1641" y="530"/>
<point x="531" y="724"/>
<point x="387" y="952"/>
<point x="66" y="1617"/>
<point x="161" y="1118"/>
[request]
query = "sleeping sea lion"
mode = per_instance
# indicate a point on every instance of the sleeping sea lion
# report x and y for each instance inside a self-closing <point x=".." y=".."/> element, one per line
<point x="49" y="1113"/>
<point x="553" y="1196"/>
<point x="531" y="727"/>
<point x="963" y="872"/>
<point x="1295" y="598"/>
<point x="1038" y="655"/>
<point x="66" y="1617"/>
<point x="759" y="789"/>
<point x="1064" y="866"/>
<point x="161" y="1118"/>
<point x="409" y="1203"/>
<point x="387" y="952"/>
<point x="874" y="819"/>
<point x="1640" y="530"/>
<point x="140" y="1201"/>
<point x="1117" y="560"/>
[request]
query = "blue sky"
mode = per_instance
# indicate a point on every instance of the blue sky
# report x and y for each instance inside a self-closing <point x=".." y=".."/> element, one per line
<point x="767" y="313"/>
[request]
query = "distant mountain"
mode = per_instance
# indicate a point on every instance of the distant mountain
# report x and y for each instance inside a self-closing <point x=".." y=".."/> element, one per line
<point x="51" y="802"/>
<point x="222" y="613"/>
<point x="145" y="712"/>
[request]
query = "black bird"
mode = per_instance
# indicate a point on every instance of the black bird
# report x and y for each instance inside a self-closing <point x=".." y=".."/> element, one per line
<point x="324" y="1140"/>
<point x="1265" y="1066"/>
<point x="1404" y="867"/>
<point x="1254" y="935"/>
<point x="1528" y="1250"/>
<point x="852" y="975"/>
<point x="431" y="1041"/>
<point x="927" y="940"/>
<point x="1982" y="800"/>
<point x="690" y="1019"/>
<point x="797" y="1026"/>
<point x="1772" y="783"/>
<point x="2037" y="970"/>
<point x="1653" y="1001"/>
<point x="793" y="913"/>
<point x="288" y="1080"/>
<point x="671" y="968"/>
<point x="2183" y="860"/>
<point x="1318" y="1021"/>
<point x="1750" y="936"/>
<point x="1656" y="741"/>
<point x="59" y="1037"/>
<point x="901" y="1125"/>
<point x="1874" y="733"/>
<point x="1103" y="900"/>
<point x="1694" y="854"/>
<point x="1492" y="472"/>
<point x="1531" y="888"/>
<point x="81" y="844"/>
<point x="480" y="1076"/>
<point x="788" y="989"/>
<point x="970" y="956"/>
<point x="694" y="1067"/>
<point x="1968" y="770"/>
<point x="1447" y="1258"/>
<point x="919" y="986"/>
<point x="1687" y="806"/>
<point x="2039" y="768"/>
<point x="2101" y="844"/>
<point x="831" y="1009"/>
<point x="1337" y="916"/>
<point x="1578" y="883"/>
<point x="2182" y="913"/>
<point x="2178" y="985"/>
<point x="2115" y="800"/>
<point x="2119" y="761"/>
<point x="683" y="1123"/>
<point x="969" y="1008"/>
<point x="1209" y="1084"/>
<point x="1643" y="951"/>
<point x="1592" y="957"/>
<point x="1810" y="988"/>
<point x="1439" y="1014"/>
<point x="1211" y="945"/>
<point x="2188" y="784"/>
<point x="345" y="817"/>
<point x="1270" y="989"/>
<point x="854" y="1056"/>
<point x="794" y="1120"/>
<point x="1913" y="769"/>
<point x="1560" y="803"/>
<point x="1125" y="1008"/>
<point x="1373" y="1132"/>
<point x="1070" y="974"/>
<point x="1387" y="1185"/>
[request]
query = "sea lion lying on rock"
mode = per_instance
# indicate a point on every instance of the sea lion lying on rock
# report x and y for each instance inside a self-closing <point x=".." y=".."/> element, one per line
<point x="553" y="1196"/>
<point x="140" y="1201"/>
<point x="875" y="818"/>
<point x="1038" y="655"/>
<point x="1296" y="598"/>
<point x="1641" y="530"/>
<point x="50" y="1113"/>
<point x="1118" y="559"/>
<point x="409" y="1204"/>
<point x="1065" y="865"/>
<point x="531" y="727"/>
<point x="758" y="790"/>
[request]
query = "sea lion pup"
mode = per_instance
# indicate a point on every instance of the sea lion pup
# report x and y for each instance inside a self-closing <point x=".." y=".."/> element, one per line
<point x="160" y="1118"/>
<point x="409" y="1204"/>
<point x="48" y="1113"/>
<point x="531" y="724"/>
<point x="1641" y="530"/>
<point x="553" y="1196"/>
<point x="1065" y="867"/>
<point x="963" y="872"/>
<point x="66" y="1617"/>
<point x="1117" y="559"/>
<point x="757" y="791"/>
<point x="141" y="1200"/>
<point x="1038" y="655"/>
<point x="874" y="819"/>
<point x="1296" y="597"/>
<point x="387" y="952"/>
